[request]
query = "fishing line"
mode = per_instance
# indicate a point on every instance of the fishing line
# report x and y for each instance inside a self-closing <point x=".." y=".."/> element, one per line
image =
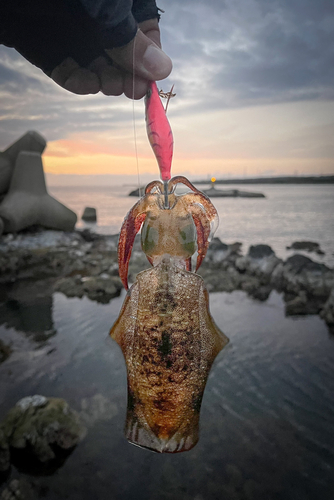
<point x="133" y="113"/>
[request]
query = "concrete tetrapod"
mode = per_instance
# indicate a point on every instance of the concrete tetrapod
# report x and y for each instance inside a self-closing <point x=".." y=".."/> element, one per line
<point x="28" y="203"/>
<point x="31" y="141"/>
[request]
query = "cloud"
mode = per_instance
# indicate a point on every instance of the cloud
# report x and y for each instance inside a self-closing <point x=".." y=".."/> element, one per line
<point x="247" y="52"/>
<point x="30" y="100"/>
<point x="228" y="55"/>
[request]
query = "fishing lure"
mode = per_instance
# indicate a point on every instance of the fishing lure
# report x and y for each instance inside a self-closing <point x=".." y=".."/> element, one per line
<point x="168" y="337"/>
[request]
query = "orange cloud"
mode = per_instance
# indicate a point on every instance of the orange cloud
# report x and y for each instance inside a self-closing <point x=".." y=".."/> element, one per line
<point x="231" y="142"/>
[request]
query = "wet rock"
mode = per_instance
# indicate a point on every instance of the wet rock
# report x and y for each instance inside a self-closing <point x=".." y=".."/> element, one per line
<point x="56" y="254"/>
<point x="260" y="251"/>
<point x="82" y="263"/>
<point x="297" y="306"/>
<point x="87" y="235"/>
<point x="138" y="192"/>
<point x="13" y="491"/>
<point x="260" y="262"/>
<point x="224" y="279"/>
<point x="327" y="312"/>
<point x="300" y="273"/>
<point x="219" y="251"/>
<point x="4" y="452"/>
<point x="18" y="489"/>
<point x="308" y="246"/>
<point x="261" y="293"/>
<point x="39" y="425"/>
<point x="89" y="214"/>
<point x="71" y="287"/>
<point x="235" y="248"/>
<point x="100" y="288"/>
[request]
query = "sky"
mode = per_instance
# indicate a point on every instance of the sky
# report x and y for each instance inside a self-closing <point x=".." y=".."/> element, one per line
<point x="254" y="83"/>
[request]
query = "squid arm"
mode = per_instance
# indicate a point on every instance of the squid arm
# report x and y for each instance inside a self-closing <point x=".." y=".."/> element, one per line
<point x="202" y="222"/>
<point x="152" y="185"/>
<point x="130" y="227"/>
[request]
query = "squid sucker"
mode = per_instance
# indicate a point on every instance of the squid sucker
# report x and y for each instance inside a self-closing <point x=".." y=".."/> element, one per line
<point x="168" y="337"/>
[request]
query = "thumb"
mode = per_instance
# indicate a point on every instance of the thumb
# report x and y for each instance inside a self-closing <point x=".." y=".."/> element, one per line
<point x="149" y="61"/>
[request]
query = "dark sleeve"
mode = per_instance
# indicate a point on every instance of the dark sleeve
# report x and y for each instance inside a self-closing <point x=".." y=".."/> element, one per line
<point x="117" y="19"/>
<point x="47" y="32"/>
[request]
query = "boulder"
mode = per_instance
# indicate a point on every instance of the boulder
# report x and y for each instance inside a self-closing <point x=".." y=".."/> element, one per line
<point x="260" y="251"/>
<point x="36" y="424"/>
<point x="300" y="273"/>
<point x="260" y="262"/>
<point x="138" y="192"/>
<point x="31" y="141"/>
<point x="89" y="214"/>
<point x="101" y="288"/>
<point x="28" y="203"/>
<point x="218" y="251"/>
<point x="308" y="246"/>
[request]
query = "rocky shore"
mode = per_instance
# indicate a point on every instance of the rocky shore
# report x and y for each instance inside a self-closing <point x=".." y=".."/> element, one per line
<point x="39" y="427"/>
<point x="82" y="263"/>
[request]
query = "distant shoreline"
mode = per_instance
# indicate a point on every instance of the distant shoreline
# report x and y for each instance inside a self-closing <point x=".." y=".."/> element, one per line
<point x="320" y="179"/>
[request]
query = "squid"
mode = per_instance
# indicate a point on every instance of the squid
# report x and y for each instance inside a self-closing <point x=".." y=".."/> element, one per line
<point x="165" y="330"/>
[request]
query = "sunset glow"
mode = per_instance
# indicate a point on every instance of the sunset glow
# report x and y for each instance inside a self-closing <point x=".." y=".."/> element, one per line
<point x="245" y="104"/>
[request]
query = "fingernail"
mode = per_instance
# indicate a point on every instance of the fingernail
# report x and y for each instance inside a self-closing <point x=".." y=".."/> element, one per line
<point x="157" y="63"/>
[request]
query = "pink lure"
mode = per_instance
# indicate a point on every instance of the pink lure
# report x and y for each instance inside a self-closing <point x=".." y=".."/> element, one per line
<point x="159" y="131"/>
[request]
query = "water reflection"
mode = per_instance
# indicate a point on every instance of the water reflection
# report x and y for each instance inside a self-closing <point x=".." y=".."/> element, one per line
<point x="27" y="306"/>
<point x="266" y="420"/>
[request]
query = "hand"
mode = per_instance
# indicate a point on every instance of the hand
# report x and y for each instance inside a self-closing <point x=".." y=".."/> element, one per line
<point x="112" y="74"/>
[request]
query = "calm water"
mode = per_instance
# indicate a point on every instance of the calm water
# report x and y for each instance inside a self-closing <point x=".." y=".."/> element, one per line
<point x="287" y="214"/>
<point x="267" y="418"/>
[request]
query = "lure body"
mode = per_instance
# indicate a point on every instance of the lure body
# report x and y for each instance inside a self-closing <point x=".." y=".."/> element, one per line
<point x="159" y="131"/>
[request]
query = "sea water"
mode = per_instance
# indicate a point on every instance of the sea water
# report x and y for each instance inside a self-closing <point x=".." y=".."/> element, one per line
<point x="267" y="418"/>
<point x="288" y="213"/>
